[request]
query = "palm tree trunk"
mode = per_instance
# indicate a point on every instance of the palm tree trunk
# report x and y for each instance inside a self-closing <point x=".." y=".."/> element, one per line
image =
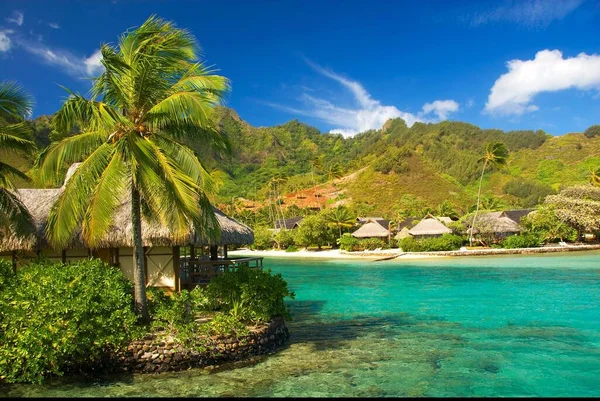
<point x="139" y="273"/>
<point x="477" y="208"/>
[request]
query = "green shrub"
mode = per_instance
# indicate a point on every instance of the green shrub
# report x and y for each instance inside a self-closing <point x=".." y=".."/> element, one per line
<point x="171" y="312"/>
<point x="284" y="238"/>
<point x="373" y="243"/>
<point x="592" y="131"/>
<point x="521" y="241"/>
<point x="348" y="243"/>
<point x="447" y="242"/>
<point x="256" y="295"/>
<point x="54" y="317"/>
<point x="263" y="238"/>
<point x="6" y="273"/>
<point x="291" y="248"/>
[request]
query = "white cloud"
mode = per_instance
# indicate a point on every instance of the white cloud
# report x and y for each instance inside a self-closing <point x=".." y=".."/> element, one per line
<point x="17" y="17"/>
<point x="531" y="13"/>
<point x="53" y="25"/>
<point x="5" y="42"/>
<point x="470" y="102"/>
<point x="441" y="108"/>
<point x="73" y="65"/>
<point x="93" y="64"/>
<point x="513" y="92"/>
<point x="367" y="114"/>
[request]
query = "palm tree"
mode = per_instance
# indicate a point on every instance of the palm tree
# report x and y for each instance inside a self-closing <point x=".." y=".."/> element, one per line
<point x="447" y="209"/>
<point x="339" y="218"/>
<point x="153" y="95"/>
<point x="15" y="105"/>
<point x="594" y="176"/>
<point x="496" y="154"/>
<point x="334" y="171"/>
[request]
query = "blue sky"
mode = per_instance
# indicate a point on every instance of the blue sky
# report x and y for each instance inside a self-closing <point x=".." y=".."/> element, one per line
<point x="342" y="66"/>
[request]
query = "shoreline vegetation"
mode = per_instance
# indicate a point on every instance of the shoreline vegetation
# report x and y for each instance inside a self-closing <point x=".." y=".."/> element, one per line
<point x="398" y="254"/>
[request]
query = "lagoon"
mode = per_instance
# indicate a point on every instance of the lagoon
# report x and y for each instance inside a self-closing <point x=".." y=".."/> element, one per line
<point x="518" y="325"/>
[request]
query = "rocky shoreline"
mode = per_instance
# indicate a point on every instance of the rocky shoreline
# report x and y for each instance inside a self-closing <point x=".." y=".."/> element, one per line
<point x="154" y="354"/>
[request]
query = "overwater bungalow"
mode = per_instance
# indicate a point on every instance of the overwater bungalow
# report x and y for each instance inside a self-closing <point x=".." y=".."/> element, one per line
<point x="167" y="266"/>
<point x="430" y="226"/>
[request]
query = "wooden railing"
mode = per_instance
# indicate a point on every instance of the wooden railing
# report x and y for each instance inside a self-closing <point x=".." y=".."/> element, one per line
<point x="200" y="272"/>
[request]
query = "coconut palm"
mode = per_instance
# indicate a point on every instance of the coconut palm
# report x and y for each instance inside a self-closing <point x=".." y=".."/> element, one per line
<point x="333" y="171"/>
<point x="15" y="105"/>
<point x="340" y="217"/>
<point x="153" y="94"/>
<point x="594" y="176"/>
<point x="447" y="209"/>
<point x="496" y="154"/>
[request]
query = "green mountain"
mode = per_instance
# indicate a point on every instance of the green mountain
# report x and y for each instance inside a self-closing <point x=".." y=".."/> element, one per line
<point x="429" y="163"/>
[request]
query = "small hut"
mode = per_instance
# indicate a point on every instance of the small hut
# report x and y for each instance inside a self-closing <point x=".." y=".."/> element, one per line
<point x="288" y="224"/>
<point x="372" y="229"/>
<point x="161" y="250"/>
<point x="493" y="226"/>
<point x="430" y="226"/>
<point x="403" y="233"/>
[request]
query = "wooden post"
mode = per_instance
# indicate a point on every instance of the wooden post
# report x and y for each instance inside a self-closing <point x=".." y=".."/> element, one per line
<point x="192" y="252"/>
<point x="176" y="268"/>
<point x="63" y="256"/>
<point x="225" y="251"/>
<point x="214" y="252"/>
<point x="14" y="261"/>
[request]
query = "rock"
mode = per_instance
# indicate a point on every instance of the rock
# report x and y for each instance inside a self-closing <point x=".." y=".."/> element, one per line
<point x="147" y="355"/>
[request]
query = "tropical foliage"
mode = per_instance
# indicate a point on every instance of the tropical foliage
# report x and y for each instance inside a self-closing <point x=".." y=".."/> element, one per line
<point x="56" y="317"/>
<point x="447" y="242"/>
<point x="154" y="94"/>
<point x="15" y="105"/>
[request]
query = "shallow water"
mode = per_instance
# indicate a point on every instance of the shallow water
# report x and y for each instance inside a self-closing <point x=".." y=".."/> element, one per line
<point x="478" y="326"/>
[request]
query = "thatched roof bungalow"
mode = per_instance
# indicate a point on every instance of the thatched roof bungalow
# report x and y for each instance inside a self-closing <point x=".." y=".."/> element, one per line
<point x="161" y="248"/>
<point x="288" y="224"/>
<point x="371" y="229"/>
<point x="430" y="226"/>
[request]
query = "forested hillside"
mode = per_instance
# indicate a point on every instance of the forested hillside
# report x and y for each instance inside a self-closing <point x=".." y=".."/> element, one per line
<point x="427" y="163"/>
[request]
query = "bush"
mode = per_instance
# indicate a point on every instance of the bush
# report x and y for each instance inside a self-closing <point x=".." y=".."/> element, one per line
<point x="373" y="243"/>
<point x="521" y="241"/>
<point x="284" y="238"/>
<point x="250" y="294"/>
<point x="592" y="131"/>
<point x="55" y="316"/>
<point x="291" y="248"/>
<point x="348" y="243"/>
<point x="263" y="238"/>
<point x="447" y="242"/>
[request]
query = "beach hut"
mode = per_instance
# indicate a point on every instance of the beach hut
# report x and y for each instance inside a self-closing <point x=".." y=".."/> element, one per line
<point x="372" y="229"/>
<point x="403" y="233"/>
<point x="288" y="224"/>
<point x="161" y="250"/>
<point x="493" y="226"/>
<point x="430" y="226"/>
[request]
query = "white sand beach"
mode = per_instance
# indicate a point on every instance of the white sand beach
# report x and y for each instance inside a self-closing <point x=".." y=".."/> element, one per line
<point x="331" y="254"/>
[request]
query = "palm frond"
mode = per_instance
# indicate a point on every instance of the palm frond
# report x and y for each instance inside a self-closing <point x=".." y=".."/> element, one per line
<point x="13" y="138"/>
<point x="14" y="102"/>
<point x="106" y="196"/>
<point x="71" y="206"/>
<point x="15" y="215"/>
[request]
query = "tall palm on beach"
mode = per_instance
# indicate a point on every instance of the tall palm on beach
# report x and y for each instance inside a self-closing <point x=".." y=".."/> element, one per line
<point x="339" y="218"/>
<point x="15" y="104"/>
<point x="496" y="154"/>
<point x="153" y="95"/>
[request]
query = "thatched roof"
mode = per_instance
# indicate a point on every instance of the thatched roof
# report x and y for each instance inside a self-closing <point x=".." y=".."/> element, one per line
<point x="495" y="222"/>
<point x="517" y="215"/>
<point x="382" y="222"/>
<point x="40" y="201"/>
<point x="408" y="222"/>
<point x="371" y="229"/>
<point x="404" y="233"/>
<point x="290" y="223"/>
<point x="430" y="226"/>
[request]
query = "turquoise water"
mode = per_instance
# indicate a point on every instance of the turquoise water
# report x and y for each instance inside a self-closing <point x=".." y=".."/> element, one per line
<point x="478" y="326"/>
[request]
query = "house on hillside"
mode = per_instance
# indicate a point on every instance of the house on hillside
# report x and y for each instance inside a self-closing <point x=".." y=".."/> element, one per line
<point x="372" y="229"/>
<point x="430" y="226"/>
<point x="166" y="267"/>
